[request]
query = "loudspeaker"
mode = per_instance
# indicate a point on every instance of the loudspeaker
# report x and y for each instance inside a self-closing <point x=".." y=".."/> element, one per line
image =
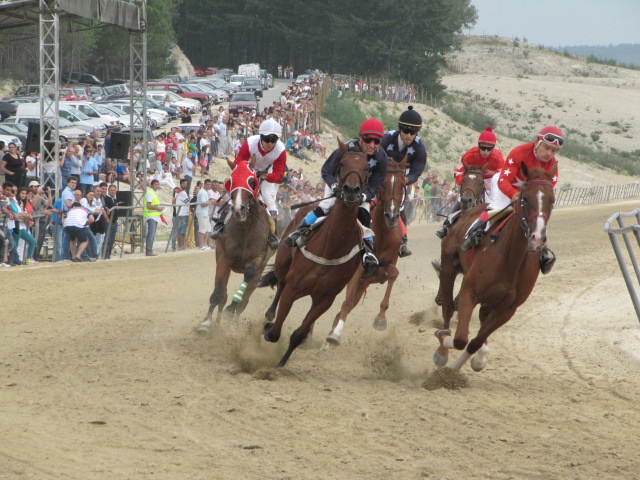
<point x="119" y="146"/>
<point x="124" y="198"/>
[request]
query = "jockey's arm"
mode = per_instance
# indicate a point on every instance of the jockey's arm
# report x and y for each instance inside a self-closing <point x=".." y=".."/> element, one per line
<point x="243" y="154"/>
<point x="277" y="169"/>
<point x="330" y="168"/>
<point x="376" y="178"/>
<point x="417" y="165"/>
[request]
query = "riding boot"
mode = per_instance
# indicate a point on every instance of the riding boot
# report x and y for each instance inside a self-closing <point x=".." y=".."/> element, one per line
<point x="273" y="240"/>
<point x="445" y="228"/>
<point x="369" y="260"/>
<point x="291" y="240"/>
<point x="547" y="260"/>
<point x="474" y="235"/>
<point x="405" y="251"/>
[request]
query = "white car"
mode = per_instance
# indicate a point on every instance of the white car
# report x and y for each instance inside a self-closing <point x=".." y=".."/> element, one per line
<point x="237" y="80"/>
<point x="176" y="100"/>
<point x="7" y="139"/>
<point x="156" y="118"/>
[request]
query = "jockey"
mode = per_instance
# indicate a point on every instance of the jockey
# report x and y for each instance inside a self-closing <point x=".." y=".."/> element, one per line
<point x="371" y="132"/>
<point x="401" y="142"/>
<point x="485" y="153"/>
<point x="506" y="185"/>
<point x="271" y="161"/>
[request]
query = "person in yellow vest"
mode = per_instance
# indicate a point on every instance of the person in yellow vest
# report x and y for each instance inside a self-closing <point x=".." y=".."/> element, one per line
<point x="152" y="216"/>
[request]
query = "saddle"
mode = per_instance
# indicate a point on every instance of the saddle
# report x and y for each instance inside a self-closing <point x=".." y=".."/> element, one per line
<point x="498" y="219"/>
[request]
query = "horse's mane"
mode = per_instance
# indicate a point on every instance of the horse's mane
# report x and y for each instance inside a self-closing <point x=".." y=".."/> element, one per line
<point x="538" y="173"/>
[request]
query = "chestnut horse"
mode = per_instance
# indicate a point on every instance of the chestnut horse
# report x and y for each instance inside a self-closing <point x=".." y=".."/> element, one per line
<point x="472" y="194"/>
<point x="323" y="266"/>
<point x="242" y="248"/>
<point x="499" y="274"/>
<point x="388" y="238"/>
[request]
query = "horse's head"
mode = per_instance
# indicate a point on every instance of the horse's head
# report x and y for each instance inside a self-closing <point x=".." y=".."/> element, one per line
<point x="243" y="187"/>
<point x="392" y="192"/>
<point x="472" y="186"/>
<point x="352" y="175"/>
<point x="536" y="202"/>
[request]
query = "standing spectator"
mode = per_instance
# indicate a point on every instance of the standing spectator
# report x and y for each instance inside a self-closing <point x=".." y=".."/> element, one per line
<point x="180" y="198"/>
<point x="41" y="203"/>
<point x="111" y="202"/>
<point x="32" y="171"/>
<point x="202" y="212"/>
<point x="12" y="166"/>
<point x="152" y="215"/>
<point x="187" y="170"/>
<point x="89" y="169"/>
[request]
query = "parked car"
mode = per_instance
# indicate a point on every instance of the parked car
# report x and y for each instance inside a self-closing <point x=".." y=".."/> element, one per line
<point x="79" y="77"/>
<point x="237" y="79"/>
<point x="243" y="101"/>
<point x="95" y="111"/>
<point x="31" y="91"/>
<point x="176" y="101"/>
<point x="67" y="93"/>
<point x="252" y="85"/>
<point x="11" y="130"/>
<point x="151" y="103"/>
<point x="66" y="131"/>
<point x="270" y="80"/>
<point x="80" y="120"/>
<point x="96" y="93"/>
<point x="7" y="109"/>
<point x="7" y="139"/>
<point x="302" y="78"/>
<point x="179" y="90"/>
<point x="81" y="93"/>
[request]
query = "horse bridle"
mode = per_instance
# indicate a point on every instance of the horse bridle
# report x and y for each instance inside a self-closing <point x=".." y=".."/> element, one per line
<point x="476" y="200"/>
<point x="524" y="218"/>
<point x="363" y="182"/>
<point x="404" y="187"/>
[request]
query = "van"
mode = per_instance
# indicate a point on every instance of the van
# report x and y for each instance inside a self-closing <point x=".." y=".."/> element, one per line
<point x="249" y="70"/>
<point x="75" y="116"/>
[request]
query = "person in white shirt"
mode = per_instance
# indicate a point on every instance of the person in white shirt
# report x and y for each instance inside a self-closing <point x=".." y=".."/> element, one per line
<point x="33" y="172"/>
<point x="187" y="170"/>
<point x="181" y="199"/>
<point x="202" y="212"/>
<point x="163" y="176"/>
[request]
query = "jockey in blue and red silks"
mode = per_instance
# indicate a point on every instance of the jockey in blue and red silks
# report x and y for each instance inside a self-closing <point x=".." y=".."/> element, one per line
<point x="371" y="132"/>
<point x="505" y="186"/>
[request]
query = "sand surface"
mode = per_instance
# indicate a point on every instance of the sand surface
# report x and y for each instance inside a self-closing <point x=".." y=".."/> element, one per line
<point x="102" y="376"/>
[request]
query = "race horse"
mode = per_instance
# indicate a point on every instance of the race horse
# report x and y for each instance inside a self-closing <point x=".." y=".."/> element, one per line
<point x="321" y="268"/>
<point x="499" y="274"/>
<point x="243" y="247"/>
<point x="388" y="238"/>
<point x="472" y="194"/>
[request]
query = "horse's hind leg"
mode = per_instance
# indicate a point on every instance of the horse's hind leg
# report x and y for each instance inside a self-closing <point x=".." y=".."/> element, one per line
<point x="447" y="280"/>
<point x="493" y="319"/>
<point x="270" y="314"/>
<point x="243" y="293"/>
<point x="354" y="291"/>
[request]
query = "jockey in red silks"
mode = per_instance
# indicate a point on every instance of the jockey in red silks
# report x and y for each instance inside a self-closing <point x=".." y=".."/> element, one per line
<point x="405" y="142"/>
<point x="485" y="153"/>
<point x="271" y="160"/>
<point x="506" y="184"/>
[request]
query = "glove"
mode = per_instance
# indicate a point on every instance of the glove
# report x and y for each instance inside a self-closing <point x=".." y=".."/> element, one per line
<point x="335" y="188"/>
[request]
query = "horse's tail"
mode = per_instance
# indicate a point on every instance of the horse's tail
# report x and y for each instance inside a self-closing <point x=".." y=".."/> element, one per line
<point x="436" y="266"/>
<point x="268" y="279"/>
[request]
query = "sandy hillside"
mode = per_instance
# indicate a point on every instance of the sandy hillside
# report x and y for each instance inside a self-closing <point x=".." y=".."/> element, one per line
<point x="103" y="377"/>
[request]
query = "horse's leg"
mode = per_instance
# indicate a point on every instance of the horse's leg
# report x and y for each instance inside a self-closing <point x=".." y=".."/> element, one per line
<point x="380" y="322"/>
<point x="300" y="333"/>
<point x="272" y="330"/>
<point x="246" y="288"/>
<point x="447" y="280"/>
<point x="270" y="314"/>
<point x="494" y="320"/>
<point x="218" y="297"/>
<point x="349" y="303"/>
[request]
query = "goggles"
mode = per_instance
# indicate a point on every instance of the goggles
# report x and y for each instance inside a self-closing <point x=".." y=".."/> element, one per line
<point x="271" y="138"/>
<point x="409" y="130"/>
<point x="552" y="139"/>
<point x="375" y="140"/>
<point x="486" y="148"/>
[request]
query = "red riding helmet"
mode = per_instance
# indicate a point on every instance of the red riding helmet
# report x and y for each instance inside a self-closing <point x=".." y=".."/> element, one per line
<point x="372" y="128"/>
<point x="552" y="136"/>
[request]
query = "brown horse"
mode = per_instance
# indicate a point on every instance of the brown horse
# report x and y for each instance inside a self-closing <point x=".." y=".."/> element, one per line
<point x="388" y="237"/>
<point x="326" y="263"/>
<point x="499" y="274"/>
<point x="472" y="194"/>
<point x="242" y="248"/>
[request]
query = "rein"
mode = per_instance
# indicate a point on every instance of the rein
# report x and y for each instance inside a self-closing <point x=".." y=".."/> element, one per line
<point x="524" y="219"/>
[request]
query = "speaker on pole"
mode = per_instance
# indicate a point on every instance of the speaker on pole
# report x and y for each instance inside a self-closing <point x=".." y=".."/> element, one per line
<point x="119" y="146"/>
<point x="33" y="138"/>
<point x="124" y="198"/>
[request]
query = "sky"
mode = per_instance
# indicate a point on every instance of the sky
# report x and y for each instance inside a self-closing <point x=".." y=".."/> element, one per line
<point x="560" y="23"/>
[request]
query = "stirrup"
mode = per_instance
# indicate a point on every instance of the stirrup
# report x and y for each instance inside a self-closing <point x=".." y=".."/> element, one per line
<point x="292" y="240"/>
<point x="218" y="230"/>
<point x="442" y="232"/>
<point x="547" y="260"/>
<point x="273" y="241"/>
<point x="370" y="263"/>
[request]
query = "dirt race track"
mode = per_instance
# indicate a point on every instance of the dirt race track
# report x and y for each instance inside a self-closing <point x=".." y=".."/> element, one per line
<point x="103" y="377"/>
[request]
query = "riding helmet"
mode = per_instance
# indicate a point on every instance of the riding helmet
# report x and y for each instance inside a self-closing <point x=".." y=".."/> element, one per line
<point x="270" y="127"/>
<point x="551" y="135"/>
<point x="372" y="128"/>
<point x="410" y="120"/>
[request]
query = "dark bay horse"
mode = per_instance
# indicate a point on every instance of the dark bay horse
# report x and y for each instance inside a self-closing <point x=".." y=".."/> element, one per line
<point x="499" y="274"/>
<point x="472" y="194"/>
<point x="242" y="248"/>
<point x="328" y="261"/>
<point x="388" y="237"/>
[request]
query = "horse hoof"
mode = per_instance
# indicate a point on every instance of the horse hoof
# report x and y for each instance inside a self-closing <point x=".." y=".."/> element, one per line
<point x="440" y="360"/>
<point x="380" y="324"/>
<point x="442" y="333"/>
<point x="205" y="327"/>
<point x="326" y="347"/>
<point x="478" y="364"/>
<point x="270" y="315"/>
<point x="333" y="339"/>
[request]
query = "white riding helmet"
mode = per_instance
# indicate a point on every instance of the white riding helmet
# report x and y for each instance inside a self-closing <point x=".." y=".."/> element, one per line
<point x="270" y="127"/>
